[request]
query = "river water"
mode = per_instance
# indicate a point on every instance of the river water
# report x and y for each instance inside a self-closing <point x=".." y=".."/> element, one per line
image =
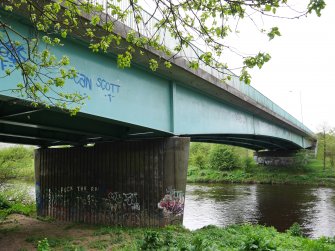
<point x="271" y="205"/>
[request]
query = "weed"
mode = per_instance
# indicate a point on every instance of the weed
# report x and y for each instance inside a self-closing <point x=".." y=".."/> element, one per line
<point x="43" y="245"/>
<point x="152" y="241"/>
<point x="52" y="241"/>
<point x="99" y="244"/>
<point x="295" y="230"/>
<point x="74" y="248"/>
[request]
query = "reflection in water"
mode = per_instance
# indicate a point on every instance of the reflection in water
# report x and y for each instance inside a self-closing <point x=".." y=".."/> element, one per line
<point x="282" y="205"/>
<point x="272" y="205"/>
<point x="218" y="205"/>
<point x="323" y="213"/>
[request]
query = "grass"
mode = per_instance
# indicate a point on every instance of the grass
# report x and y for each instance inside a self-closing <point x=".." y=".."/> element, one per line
<point x="312" y="174"/>
<point x="236" y="237"/>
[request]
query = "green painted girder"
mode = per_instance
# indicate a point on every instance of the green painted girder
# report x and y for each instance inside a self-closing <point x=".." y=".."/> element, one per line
<point x="256" y="142"/>
<point x="135" y="103"/>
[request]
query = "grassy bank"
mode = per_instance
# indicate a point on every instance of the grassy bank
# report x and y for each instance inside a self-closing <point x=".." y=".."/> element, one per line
<point x="312" y="174"/>
<point x="29" y="234"/>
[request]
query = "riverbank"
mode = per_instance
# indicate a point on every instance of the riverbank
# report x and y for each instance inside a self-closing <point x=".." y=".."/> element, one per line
<point x="24" y="233"/>
<point x="312" y="174"/>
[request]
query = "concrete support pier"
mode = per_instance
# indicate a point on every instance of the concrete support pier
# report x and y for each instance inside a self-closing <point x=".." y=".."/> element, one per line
<point x="275" y="158"/>
<point x="128" y="183"/>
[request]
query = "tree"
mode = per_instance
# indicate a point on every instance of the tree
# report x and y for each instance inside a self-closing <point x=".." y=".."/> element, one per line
<point x="187" y="22"/>
<point x="331" y="148"/>
<point x="326" y="145"/>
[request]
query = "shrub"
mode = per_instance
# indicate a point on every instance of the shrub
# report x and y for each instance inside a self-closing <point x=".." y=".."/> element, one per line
<point x="152" y="241"/>
<point x="16" y="162"/>
<point x="223" y="157"/>
<point x="295" y="230"/>
<point x="43" y="245"/>
<point x="199" y="155"/>
<point x="248" y="163"/>
<point x="302" y="158"/>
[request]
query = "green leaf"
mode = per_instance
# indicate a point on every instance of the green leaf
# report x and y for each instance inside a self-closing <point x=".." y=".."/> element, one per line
<point x="317" y="6"/>
<point x="153" y="64"/>
<point x="274" y="32"/>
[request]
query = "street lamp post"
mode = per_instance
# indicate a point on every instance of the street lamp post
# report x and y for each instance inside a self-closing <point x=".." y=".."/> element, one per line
<point x="300" y="99"/>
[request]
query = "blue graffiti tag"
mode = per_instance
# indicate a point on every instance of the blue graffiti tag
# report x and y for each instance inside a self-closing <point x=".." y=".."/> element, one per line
<point x="107" y="86"/>
<point x="10" y="55"/>
<point x="7" y="52"/>
<point x="110" y="88"/>
<point x="84" y="81"/>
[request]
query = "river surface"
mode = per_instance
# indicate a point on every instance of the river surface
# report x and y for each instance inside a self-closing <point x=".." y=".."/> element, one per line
<point x="270" y="205"/>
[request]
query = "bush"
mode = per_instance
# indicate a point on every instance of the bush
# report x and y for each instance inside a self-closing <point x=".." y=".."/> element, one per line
<point x="43" y="245"/>
<point x="16" y="162"/>
<point x="199" y="155"/>
<point x="248" y="163"/>
<point x="223" y="157"/>
<point x="152" y="241"/>
<point x="302" y="158"/>
<point x="295" y="230"/>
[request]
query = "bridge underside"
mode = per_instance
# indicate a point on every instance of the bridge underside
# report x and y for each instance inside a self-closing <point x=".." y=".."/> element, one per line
<point x="254" y="142"/>
<point x="23" y="124"/>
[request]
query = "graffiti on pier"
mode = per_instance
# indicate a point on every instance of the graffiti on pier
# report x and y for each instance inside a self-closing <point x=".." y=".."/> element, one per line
<point x="89" y="203"/>
<point x="127" y="199"/>
<point x="131" y="200"/>
<point x="172" y="203"/>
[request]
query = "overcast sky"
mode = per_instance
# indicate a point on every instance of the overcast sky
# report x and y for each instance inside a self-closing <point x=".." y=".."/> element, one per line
<point x="303" y="65"/>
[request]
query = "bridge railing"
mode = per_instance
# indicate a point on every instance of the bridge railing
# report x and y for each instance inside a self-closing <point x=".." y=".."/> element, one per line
<point x="193" y="52"/>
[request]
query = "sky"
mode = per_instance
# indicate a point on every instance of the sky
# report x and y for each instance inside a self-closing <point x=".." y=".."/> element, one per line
<point x="299" y="77"/>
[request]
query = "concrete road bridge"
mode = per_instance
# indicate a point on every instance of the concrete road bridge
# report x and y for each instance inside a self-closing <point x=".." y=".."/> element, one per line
<point x="141" y="123"/>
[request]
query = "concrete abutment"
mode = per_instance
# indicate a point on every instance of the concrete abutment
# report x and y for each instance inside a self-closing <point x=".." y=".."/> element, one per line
<point x="128" y="183"/>
<point x="276" y="158"/>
